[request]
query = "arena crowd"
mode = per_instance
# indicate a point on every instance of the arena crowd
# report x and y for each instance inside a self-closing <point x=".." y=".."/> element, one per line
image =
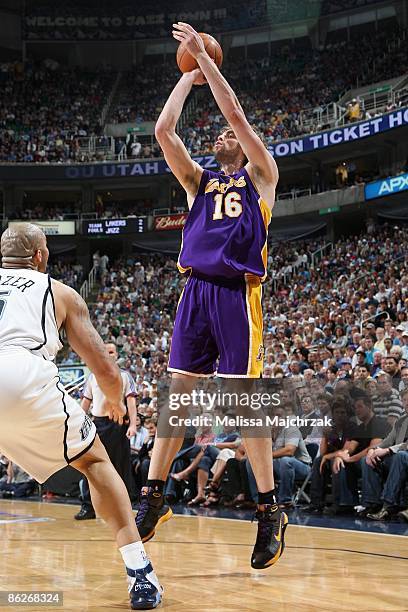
<point x="292" y="82"/>
<point x="336" y="344"/>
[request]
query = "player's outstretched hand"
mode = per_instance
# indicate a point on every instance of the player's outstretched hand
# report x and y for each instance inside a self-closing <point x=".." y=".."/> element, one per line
<point x="186" y="34"/>
<point x="199" y="77"/>
<point x="116" y="412"/>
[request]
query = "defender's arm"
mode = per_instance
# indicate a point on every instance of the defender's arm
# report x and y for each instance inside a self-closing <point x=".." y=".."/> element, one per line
<point x="72" y="313"/>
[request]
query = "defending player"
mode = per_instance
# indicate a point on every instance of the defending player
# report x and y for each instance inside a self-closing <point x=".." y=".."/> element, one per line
<point x="42" y="429"/>
<point x="224" y="250"/>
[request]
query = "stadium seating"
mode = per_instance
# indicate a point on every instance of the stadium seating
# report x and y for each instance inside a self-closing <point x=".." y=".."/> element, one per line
<point x="39" y="126"/>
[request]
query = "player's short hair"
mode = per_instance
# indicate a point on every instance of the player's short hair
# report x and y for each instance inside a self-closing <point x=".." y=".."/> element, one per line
<point x="21" y="241"/>
<point x="255" y="128"/>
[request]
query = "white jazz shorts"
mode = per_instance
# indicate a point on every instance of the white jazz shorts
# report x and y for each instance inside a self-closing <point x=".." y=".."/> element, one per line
<point x="42" y="429"/>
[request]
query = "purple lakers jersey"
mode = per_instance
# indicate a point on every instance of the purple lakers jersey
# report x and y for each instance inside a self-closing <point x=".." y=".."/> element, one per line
<point x="225" y="234"/>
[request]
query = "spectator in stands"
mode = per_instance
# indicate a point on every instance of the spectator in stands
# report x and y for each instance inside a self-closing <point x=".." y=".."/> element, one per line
<point x="139" y="296"/>
<point x="363" y="374"/>
<point x="48" y="109"/>
<point x="333" y="439"/>
<point x="404" y="379"/>
<point x="376" y="367"/>
<point x="140" y="437"/>
<point x="236" y="488"/>
<point x="391" y="367"/>
<point x="353" y="111"/>
<point x="16" y="483"/>
<point x="331" y="376"/>
<point x="142" y="466"/>
<point x="205" y="460"/>
<point x="291" y="462"/>
<point x="385" y="471"/>
<point x="346" y="465"/>
<point x="379" y="344"/>
<point x="310" y="433"/>
<point x="387" y="403"/>
<point x="404" y="344"/>
<point x="294" y="83"/>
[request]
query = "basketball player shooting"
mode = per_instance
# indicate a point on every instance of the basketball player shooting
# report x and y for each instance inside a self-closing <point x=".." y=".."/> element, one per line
<point x="219" y="315"/>
<point x="42" y="429"/>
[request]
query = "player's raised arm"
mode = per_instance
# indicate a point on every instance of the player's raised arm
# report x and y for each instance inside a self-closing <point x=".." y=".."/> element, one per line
<point x="72" y="312"/>
<point x="263" y="164"/>
<point x="187" y="171"/>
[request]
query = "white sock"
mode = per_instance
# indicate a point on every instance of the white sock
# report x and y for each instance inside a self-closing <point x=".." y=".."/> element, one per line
<point x="134" y="555"/>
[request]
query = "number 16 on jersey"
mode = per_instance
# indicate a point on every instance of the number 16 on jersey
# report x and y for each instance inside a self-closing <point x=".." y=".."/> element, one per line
<point x="228" y="204"/>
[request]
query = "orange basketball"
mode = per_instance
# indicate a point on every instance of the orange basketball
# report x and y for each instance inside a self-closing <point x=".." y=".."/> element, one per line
<point x="187" y="63"/>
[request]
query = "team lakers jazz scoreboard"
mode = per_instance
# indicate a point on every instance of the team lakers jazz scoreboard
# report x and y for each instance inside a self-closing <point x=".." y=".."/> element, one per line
<point x="114" y="227"/>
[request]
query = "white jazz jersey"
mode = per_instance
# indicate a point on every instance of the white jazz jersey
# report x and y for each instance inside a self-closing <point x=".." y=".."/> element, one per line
<point x="42" y="429"/>
<point x="27" y="312"/>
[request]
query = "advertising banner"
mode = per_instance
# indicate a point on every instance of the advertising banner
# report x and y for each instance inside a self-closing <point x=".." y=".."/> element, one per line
<point x="386" y="187"/>
<point x="53" y="228"/>
<point x="170" y="222"/>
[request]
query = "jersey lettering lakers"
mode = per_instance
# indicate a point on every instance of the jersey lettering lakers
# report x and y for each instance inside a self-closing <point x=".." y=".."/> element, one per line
<point x="27" y="312"/>
<point x="225" y="235"/>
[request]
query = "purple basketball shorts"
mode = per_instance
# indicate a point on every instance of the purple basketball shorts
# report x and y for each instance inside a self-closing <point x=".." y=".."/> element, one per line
<point x="218" y="320"/>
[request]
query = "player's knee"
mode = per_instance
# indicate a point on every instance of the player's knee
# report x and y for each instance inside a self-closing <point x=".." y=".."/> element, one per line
<point x="182" y="383"/>
<point x="95" y="455"/>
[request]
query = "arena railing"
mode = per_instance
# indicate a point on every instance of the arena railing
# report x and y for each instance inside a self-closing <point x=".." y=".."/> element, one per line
<point x="158" y="212"/>
<point x="334" y="114"/>
<point x="321" y="251"/>
<point x="363" y="321"/>
<point x="107" y="107"/>
<point x="88" y="284"/>
<point x="76" y="385"/>
<point x="294" y="194"/>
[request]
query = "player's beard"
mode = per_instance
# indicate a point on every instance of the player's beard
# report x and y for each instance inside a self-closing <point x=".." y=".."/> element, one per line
<point x="227" y="157"/>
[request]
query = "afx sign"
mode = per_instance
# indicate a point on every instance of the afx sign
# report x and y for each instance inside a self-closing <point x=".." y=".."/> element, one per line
<point x="380" y="189"/>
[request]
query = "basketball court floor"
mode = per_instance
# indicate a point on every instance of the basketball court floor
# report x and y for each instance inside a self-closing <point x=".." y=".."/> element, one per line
<point x="203" y="564"/>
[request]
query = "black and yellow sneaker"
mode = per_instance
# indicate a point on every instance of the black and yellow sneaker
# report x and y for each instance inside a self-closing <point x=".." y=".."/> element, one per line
<point x="152" y="512"/>
<point x="270" y="540"/>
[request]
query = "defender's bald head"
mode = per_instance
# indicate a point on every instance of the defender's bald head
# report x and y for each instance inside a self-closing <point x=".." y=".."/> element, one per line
<point x="20" y="244"/>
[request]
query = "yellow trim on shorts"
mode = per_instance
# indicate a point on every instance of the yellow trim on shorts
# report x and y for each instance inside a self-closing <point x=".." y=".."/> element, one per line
<point x="182" y="291"/>
<point x="180" y="298"/>
<point x="179" y="266"/>
<point x="267" y="216"/>
<point x="255" y="321"/>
